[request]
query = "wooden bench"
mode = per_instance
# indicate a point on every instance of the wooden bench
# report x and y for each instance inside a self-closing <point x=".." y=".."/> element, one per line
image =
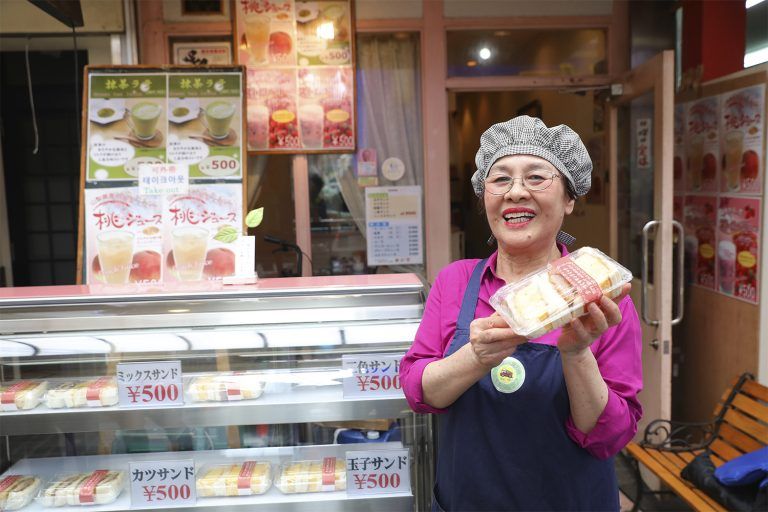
<point x="740" y="426"/>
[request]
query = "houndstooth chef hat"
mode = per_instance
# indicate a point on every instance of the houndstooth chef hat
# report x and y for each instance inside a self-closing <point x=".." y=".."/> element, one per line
<point x="525" y="135"/>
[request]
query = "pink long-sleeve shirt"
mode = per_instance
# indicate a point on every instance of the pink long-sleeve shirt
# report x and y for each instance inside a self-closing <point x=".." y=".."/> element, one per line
<point x="617" y="353"/>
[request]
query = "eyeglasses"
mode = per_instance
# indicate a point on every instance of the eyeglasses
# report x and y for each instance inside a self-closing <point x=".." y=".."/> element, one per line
<point x="535" y="181"/>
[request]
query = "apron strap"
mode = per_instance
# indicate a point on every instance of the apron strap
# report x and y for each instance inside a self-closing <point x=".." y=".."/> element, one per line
<point x="469" y="303"/>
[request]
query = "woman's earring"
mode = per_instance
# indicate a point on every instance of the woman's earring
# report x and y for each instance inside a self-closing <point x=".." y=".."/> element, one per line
<point x="491" y="241"/>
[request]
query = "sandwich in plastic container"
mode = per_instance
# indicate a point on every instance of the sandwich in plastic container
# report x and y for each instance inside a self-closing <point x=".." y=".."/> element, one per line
<point x="101" y="392"/>
<point x="225" y="387"/>
<point x="324" y="475"/>
<point x="16" y="491"/>
<point x="94" y="488"/>
<point x="22" y="394"/>
<point x="550" y="298"/>
<point x="236" y="479"/>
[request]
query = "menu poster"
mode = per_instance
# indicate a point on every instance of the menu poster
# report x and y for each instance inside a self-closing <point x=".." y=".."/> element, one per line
<point x="204" y="131"/>
<point x="300" y="74"/>
<point x="393" y="225"/>
<point x="123" y="236"/>
<point x="200" y="230"/>
<point x="702" y="146"/>
<point x="742" y="121"/>
<point x="324" y="32"/>
<point x="738" y="237"/>
<point x="700" y="221"/>
<point x="679" y="148"/>
<point x="126" y="124"/>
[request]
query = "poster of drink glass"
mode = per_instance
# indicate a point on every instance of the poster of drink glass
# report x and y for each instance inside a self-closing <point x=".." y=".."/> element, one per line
<point x="700" y="216"/>
<point x="126" y="124"/>
<point x="742" y="121"/>
<point x="200" y="230"/>
<point x="205" y="124"/>
<point x="702" y="145"/>
<point x="679" y="148"/>
<point x="123" y="236"/>
<point x="300" y="81"/>
<point x="738" y="235"/>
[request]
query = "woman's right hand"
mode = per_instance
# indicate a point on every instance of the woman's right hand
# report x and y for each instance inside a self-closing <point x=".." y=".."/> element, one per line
<point x="491" y="340"/>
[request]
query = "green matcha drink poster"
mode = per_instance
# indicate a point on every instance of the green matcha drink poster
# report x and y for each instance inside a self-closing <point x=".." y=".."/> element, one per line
<point x="127" y="124"/>
<point x="205" y="124"/>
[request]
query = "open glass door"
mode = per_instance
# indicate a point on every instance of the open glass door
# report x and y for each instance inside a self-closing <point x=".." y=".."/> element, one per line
<point x="643" y="232"/>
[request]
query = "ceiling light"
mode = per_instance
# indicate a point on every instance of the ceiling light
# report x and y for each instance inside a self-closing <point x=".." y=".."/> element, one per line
<point x="485" y="53"/>
<point x="471" y="63"/>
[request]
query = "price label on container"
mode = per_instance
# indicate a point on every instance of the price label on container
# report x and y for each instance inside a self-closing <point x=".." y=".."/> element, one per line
<point x="378" y="472"/>
<point x="163" y="179"/>
<point x="149" y="384"/>
<point x="372" y="375"/>
<point x="162" y="484"/>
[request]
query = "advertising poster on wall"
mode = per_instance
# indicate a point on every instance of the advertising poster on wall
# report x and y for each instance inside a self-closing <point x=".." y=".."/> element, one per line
<point x="200" y="229"/>
<point x="126" y="124"/>
<point x="300" y="69"/>
<point x="738" y="235"/>
<point x="205" y="124"/>
<point x="702" y="145"/>
<point x="742" y="121"/>
<point x="393" y="222"/>
<point x="679" y="149"/>
<point x="123" y="236"/>
<point x="700" y="217"/>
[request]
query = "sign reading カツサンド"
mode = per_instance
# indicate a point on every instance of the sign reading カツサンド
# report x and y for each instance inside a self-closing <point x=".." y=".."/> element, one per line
<point x="163" y="178"/>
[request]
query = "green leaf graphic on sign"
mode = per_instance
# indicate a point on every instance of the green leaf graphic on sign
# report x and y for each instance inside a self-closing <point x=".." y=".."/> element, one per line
<point x="254" y="217"/>
<point x="227" y="234"/>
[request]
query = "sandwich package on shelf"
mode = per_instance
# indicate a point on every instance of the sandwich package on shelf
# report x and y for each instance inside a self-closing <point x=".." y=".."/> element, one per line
<point x="224" y="387"/>
<point x="324" y="475"/>
<point x="22" y="394"/>
<point x="94" y="488"/>
<point x="234" y="479"/>
<point x="16" y="491"/>
<point x="550" y="298"/>
<point x="100" y="392"/>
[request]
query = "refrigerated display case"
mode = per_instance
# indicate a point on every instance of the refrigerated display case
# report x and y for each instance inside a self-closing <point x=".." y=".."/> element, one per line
<point x="262" y="372"/>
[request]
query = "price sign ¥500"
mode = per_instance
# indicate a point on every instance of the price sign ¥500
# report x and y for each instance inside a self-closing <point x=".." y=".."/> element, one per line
<point x="372" y="375"/>
<point x="378" y="472"/>
<point x="150" y="384"/>
<point x="161" y="484"/>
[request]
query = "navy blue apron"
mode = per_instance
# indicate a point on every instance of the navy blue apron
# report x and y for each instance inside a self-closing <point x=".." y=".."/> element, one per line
<point x="510" y="451"/>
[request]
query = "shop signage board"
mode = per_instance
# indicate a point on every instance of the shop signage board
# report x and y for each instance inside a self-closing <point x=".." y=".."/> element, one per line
<point x="163" y="178"/>
<point x="369" y="375"/>
<point x="378" y="472"/>
<point x="162" y="484"/>
<point x="149" y="384"/>
<point x="393" y="220"/>
<point x="300" y="66"/>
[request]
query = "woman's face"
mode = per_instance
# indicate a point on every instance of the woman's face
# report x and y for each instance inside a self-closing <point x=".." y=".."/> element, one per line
<point x="524" y="220"/>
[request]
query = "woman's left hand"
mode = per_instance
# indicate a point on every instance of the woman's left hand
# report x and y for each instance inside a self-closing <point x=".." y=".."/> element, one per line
<point x="582" y="332"/>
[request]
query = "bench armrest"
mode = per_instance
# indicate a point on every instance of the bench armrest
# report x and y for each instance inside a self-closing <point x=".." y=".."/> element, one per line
<point x="678" y="436"/>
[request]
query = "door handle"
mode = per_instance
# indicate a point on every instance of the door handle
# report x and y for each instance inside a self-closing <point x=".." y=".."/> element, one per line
<point x="644" y="283"/>
<point x="680" y="271"/>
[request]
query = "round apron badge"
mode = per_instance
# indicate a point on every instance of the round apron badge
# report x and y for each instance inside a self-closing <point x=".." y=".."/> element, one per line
<point x="509" y="376"/>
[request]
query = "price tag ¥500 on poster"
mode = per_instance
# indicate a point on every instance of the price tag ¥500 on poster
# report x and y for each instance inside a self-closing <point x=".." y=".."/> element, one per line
<point x="149" y="384"/>
<point x="372" y="375"/>
<point x="161" y="484"/>
<point x="378" y="472"/>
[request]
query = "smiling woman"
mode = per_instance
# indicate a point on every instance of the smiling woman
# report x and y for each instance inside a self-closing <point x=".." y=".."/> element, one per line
<point x="562" y="404"/>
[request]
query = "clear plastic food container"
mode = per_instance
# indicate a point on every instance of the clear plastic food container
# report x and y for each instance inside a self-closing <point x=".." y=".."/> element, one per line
<point x="22" y="395"/>
<point x="324" y="475"/>
<point x="550" y="298"/>
<point x="16" y="491"/>
<point x="235" y="479"/>
<point x="101" y="392"/>
<point x="95" y="488"/>
<point x="225" y="387"/>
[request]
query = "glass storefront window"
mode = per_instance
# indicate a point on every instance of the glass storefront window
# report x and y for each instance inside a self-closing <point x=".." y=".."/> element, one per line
<point x="389" y="122"/>
<point x="554" y="52"/>
<point x="270" y="185"/>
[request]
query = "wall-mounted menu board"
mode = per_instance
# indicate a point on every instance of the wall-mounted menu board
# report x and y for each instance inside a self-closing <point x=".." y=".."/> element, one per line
<point x="162" y="177"/>
<point x="299" y="59"/>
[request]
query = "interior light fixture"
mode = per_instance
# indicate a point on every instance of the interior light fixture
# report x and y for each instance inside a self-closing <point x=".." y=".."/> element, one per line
<point x="756" y="57"/>
<point x="485" y="53"/>
<point x="178" y="311"/>
<point x="326" y="30"/>
<point x="471" y="63"/>
<point x="752" y="3"/>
